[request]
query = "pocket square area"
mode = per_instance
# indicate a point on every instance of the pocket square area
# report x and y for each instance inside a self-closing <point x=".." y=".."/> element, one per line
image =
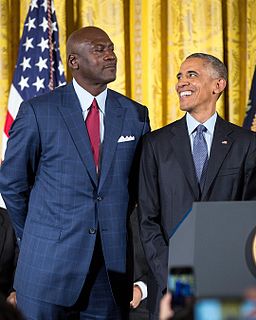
<point x="126" y="138"/>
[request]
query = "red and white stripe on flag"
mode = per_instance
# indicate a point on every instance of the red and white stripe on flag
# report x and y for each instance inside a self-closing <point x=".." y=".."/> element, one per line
<point x="14" y="102"/>
<point x="39" y="68"/>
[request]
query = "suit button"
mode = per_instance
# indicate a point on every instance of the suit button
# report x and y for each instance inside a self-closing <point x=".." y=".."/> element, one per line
<point x="99" y="198"/>
<point x="92" y="231"/>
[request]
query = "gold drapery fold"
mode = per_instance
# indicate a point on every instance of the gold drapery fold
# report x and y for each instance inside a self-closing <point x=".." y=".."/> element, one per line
<point x="5" y="57"/>
<point x="240" y="54"/>
<point x="146" y="51"/>
<point x="152" y="38"/>
<point x="193" y="26"/>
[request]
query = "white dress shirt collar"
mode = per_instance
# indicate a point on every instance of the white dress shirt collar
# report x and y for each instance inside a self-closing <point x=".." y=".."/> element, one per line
<point x="85" y="98"/>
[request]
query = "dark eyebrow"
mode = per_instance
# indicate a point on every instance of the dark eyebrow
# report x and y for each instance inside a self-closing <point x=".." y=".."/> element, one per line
<point x="192" y="71"/>
<point x="103" y="44"/>
<point x="188" y="72"/>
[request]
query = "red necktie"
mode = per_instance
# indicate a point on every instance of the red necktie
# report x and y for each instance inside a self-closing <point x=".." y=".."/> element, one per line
<point x="93" y="128"/>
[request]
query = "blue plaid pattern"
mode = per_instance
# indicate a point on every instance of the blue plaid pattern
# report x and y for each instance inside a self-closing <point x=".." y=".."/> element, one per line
<point x="56" y="199"/>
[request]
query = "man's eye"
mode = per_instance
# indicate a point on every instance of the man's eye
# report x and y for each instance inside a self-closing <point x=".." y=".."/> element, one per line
<point x="192" y="75"/>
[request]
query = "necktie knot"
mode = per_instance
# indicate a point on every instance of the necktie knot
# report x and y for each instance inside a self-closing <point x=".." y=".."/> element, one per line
<point x="94" y="104"/>
<point x="200" y="129"/>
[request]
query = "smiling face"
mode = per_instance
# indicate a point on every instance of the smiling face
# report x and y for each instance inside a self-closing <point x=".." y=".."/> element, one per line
<point x="92" y="59"/>
<point x="198" y="88"/>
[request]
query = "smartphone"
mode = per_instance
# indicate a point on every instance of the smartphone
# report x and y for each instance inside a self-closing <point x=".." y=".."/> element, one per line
<point x="181" y="284"/>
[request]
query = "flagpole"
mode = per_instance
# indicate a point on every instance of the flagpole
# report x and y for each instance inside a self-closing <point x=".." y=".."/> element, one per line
<point x="49" y="13"/>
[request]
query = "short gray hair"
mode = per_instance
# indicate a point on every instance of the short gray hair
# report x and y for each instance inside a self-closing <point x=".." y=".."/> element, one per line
<point x="217" y="65"/>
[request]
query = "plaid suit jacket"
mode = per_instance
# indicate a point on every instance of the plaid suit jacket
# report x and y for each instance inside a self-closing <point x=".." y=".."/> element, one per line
<point x="55" y="198"/>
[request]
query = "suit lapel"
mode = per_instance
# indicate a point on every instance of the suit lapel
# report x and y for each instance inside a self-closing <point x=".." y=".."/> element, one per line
<point x="221" y="145"/>
<point x="181" y="145"/>
<point x="114" y="117"/>
<point x="72" y="115"/>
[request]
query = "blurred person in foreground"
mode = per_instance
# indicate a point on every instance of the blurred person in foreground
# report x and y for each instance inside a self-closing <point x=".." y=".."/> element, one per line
<point x="166" y="312"/>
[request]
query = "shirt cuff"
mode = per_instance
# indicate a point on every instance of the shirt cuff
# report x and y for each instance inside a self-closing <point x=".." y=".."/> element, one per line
<point x="143" y="288"/>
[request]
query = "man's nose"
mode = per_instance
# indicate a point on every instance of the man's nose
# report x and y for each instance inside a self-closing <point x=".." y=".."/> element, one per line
<point x="182" y="82"/>
<point x="110" y="55"/>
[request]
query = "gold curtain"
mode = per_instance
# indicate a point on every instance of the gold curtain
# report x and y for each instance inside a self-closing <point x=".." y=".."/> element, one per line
<point x="152" y="37"/>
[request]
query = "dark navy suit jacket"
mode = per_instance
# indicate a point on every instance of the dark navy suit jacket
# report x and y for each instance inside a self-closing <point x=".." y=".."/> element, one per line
<point x="55" y="199"/>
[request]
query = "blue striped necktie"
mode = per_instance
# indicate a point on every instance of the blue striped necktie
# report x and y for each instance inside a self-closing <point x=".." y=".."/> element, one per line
<point x="200" y="154"/>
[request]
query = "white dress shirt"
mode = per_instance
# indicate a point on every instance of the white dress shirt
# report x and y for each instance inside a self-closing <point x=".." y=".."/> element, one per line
<point x="2" y="204"/>
<point x="86" y="99"/>
<point x="143" y="288"/>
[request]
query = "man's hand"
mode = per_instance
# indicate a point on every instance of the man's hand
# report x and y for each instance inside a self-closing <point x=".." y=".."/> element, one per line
<point x="137" y="295"/>
<point x="12" y="299"/>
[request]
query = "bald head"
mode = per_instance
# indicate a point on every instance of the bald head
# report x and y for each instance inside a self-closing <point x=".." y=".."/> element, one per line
<point x="91" y="58"/>
<point x="83" y="35"/>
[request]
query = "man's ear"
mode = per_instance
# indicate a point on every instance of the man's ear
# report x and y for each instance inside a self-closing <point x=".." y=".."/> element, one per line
<point x="220" y="85"/>
<point x="73" y="61"/>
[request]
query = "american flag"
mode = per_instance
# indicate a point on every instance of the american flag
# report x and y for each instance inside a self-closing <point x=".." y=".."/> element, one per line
<point x="39" y="68"/>
<point x="250" y="117"/>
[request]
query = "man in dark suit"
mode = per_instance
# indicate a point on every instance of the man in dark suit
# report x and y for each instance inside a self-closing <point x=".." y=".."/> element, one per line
<point x="140" y="273"/>
<point x="170" y="179"/>
<point x="8" y="254"/>
<point x="68" y="194"/>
